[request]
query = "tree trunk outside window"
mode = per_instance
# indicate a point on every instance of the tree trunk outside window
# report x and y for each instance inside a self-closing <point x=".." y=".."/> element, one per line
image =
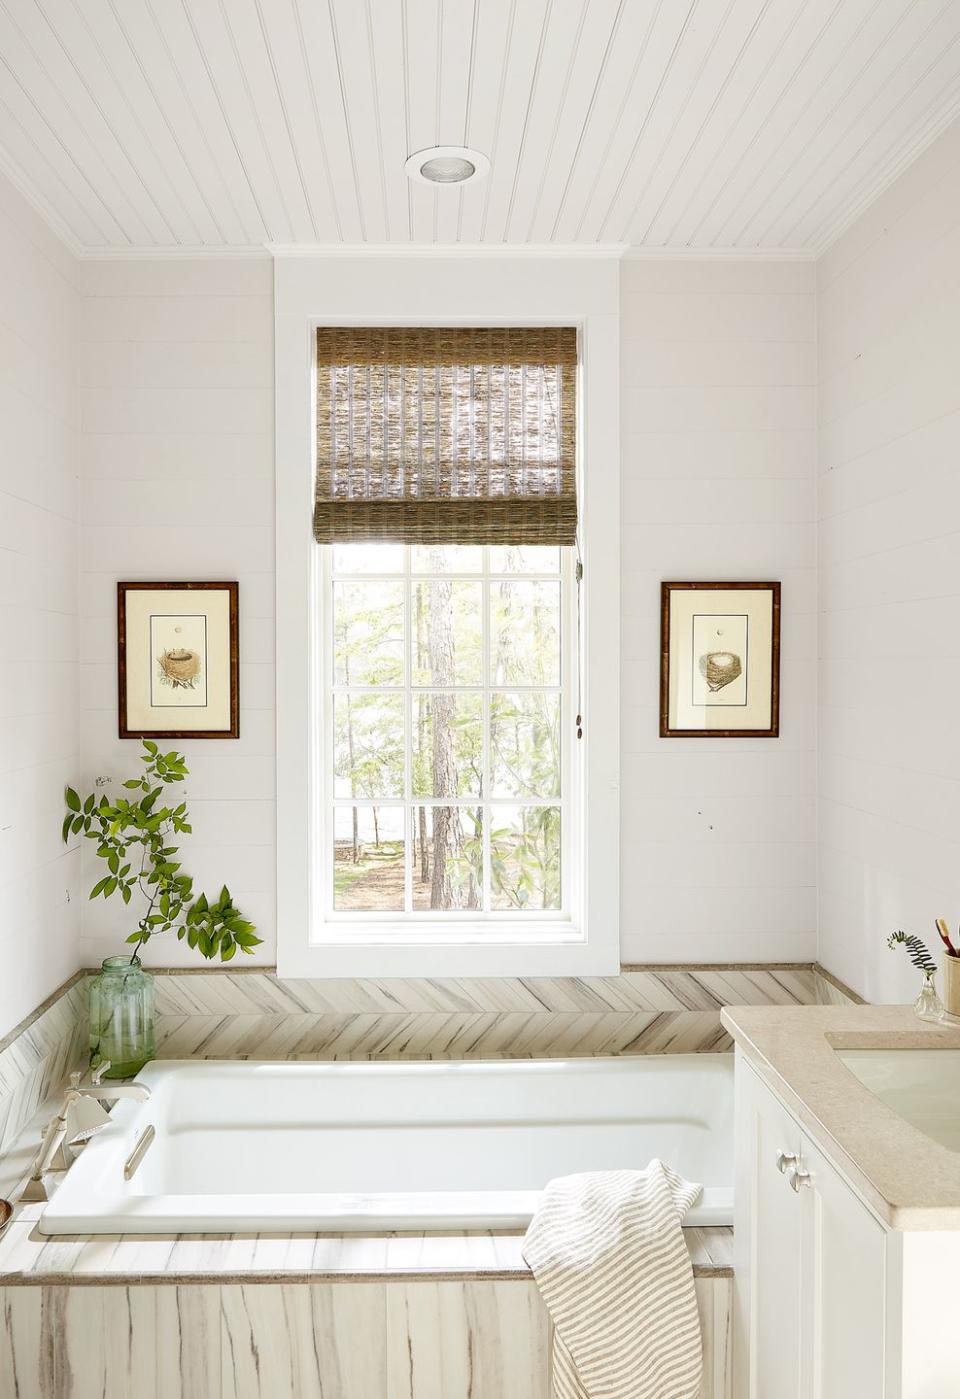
<point x="446" y="835"/>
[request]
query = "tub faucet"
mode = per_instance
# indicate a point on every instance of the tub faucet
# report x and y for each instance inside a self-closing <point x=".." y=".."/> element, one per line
<point x="79" y="1117"/>
<point x="109" y="1092"/>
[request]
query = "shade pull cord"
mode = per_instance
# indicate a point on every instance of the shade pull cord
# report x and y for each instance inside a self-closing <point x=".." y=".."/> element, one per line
<point x="578" y="574"/>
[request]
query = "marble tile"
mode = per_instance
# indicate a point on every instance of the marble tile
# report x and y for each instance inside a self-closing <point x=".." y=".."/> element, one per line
<point x="424" y="1339"/>
<point x="649" y="1011"/>
<point x="109" y="1343"/>
<point x="831" y="992"/>
<point x="28" y="1258"/>
<point x="296" y="1342"/>
<point x="104" y="1341"/>
<point x="715" y="1302"/>
<point x="422" y="1036"/>
<point x="472" y="1340"/>
<point x="189" y="1353"/>
<point x="445" y="1253"/>
<point x="227" y="994"/>
<point x="711" y="1250"/>
<point x="38" y="1055"/>
<point x="26" y="1361"/>
<point x="117" y="1342"/>
<point x="46" y="1024"/>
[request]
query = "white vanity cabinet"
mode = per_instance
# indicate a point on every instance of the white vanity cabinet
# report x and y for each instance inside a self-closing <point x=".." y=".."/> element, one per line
<point x="811" y="1265"/>
<point x="843" y="1286"/>
<point x="769" y="1270"/>
<point x="847" y="1209"/>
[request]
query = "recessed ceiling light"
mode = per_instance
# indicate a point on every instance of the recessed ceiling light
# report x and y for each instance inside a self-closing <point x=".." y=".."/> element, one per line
<point x="447" y="165"/>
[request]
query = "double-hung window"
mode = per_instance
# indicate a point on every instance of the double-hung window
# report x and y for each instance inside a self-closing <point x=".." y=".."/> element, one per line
<point x="446" y="518"/>
<point x="451" y="766"/>
<point x="433" y="780"/>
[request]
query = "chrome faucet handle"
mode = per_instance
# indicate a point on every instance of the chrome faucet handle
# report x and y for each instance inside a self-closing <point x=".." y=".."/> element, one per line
<point x="99" y="1072"/>
<point x="113" y="1092"/>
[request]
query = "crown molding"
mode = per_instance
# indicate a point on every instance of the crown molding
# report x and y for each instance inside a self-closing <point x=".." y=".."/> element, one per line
<point x="892" y="172"/>
<point x="25" y="187"/>
<point x="177" y="254"/>
<point x="639" y="254"/>
<point x="616" y="252"/>
<point x="451" y="250"/>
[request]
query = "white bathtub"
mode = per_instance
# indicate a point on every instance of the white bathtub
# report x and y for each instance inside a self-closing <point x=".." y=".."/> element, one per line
<point x="244" y="1147"/>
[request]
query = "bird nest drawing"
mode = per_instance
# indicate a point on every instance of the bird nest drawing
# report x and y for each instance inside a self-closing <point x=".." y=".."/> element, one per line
<point x="179" y="668"/>
<point x="720" y="668"/>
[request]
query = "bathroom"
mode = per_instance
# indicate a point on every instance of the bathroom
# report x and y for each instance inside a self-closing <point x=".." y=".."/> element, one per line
<point x="422" y="417"/>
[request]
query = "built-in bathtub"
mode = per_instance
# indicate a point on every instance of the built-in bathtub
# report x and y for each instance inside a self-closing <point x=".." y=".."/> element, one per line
<point x="245" y="1147"/>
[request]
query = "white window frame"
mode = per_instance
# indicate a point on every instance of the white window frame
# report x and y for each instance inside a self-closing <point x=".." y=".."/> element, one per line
<point x="445" y="927"/>
<point x="498" y="289"/>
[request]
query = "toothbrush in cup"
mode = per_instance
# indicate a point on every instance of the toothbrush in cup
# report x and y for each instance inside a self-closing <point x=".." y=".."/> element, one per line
<point x="951" y="971"/>
<point x="944" y="932"/>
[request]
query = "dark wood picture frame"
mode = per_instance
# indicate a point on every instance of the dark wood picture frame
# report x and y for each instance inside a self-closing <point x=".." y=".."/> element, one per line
<point x="666" y="589"/>
<point x="233" y="591"/>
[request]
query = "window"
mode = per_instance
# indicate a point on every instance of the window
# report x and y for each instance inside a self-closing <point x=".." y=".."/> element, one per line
<point x="435" y="466"/>
<point x="450" y="778"/>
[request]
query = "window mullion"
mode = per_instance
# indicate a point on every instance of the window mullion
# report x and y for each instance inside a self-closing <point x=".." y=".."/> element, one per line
<point x="569" y="660"/>
<point x="327" y="821"/>
<point x="487" y="895"/>
<point x="408" y="823"/>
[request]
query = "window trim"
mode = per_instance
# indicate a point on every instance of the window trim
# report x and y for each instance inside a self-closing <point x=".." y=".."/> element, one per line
<point x="314" y="290"/>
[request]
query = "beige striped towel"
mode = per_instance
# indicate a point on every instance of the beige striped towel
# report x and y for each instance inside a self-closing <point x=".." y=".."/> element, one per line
<point x="608" y="1255"/>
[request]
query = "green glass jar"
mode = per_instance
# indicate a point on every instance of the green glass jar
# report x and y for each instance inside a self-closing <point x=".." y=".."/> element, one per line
<point x="121" y="1017"/>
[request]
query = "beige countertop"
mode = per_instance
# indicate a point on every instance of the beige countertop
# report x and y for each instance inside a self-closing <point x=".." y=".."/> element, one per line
<point x="908" y="1179"/>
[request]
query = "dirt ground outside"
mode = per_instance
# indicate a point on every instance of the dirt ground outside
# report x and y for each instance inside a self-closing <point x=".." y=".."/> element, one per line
<point x="375" y="883"/>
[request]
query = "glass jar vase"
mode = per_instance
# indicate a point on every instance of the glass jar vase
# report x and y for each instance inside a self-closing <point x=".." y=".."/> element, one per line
<point x="928" y="1005"/>
<point x="121" y="1017"/>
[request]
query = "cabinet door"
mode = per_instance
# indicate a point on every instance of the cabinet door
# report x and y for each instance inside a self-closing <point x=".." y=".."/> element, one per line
<point x="844" y="1253"/>
<point x="767" y="1236"/>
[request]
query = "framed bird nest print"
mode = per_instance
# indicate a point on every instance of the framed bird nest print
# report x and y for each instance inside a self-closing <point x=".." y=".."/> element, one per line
<point x="719" y="660"/>
<point x="178" y="660"/>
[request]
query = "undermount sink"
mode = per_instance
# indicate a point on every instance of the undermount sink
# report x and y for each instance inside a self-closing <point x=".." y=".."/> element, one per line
<point x="921" y="1085"/>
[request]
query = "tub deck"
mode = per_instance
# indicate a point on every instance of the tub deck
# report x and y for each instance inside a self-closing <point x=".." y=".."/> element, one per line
<point x="27" y="1257"/>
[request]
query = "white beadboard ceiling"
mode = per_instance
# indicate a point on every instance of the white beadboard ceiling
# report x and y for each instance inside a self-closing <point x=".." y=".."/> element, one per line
<point x="661" y="124"/>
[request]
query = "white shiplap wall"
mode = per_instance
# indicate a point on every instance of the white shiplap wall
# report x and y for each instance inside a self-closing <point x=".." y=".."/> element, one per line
<point x="889" y="771"/>
<point x="39" y="303"/>
<point x="176" y="373"/>
<point x="718" y="480"/>
<point x="718" y="447"/>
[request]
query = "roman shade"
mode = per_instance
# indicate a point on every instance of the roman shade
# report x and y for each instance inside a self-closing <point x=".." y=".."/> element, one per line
<point x="446" y="435"/>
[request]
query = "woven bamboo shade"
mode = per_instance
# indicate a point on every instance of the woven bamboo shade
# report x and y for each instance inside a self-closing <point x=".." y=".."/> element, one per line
<point x="446" y="435"/>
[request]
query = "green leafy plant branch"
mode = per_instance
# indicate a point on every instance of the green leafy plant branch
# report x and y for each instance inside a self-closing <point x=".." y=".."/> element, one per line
<point x="916" y="948"/>
<point x="133" y="837"/>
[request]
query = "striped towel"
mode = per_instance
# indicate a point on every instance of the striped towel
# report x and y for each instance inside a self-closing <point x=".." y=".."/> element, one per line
<point x="608" y="1255"/>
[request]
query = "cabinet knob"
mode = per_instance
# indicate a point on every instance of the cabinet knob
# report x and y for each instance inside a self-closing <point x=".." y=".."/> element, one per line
<point x="786" y="1160"/>
<point x="797" y="1178"/>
